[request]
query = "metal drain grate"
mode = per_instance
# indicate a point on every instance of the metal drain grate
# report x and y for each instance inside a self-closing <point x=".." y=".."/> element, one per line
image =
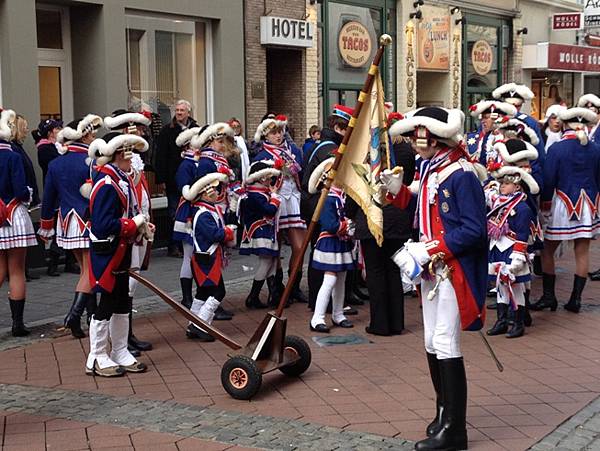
<point x="337" y="340"/>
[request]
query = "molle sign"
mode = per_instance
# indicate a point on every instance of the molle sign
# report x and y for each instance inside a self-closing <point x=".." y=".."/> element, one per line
<point x="433" y="40"/>
<point x="355" y="44"/>
<point x="573" y="58"/>
<point x="286" y="32"/>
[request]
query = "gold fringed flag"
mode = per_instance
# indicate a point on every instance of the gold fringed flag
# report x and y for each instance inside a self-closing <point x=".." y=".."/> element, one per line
<point x="361" y="165"/>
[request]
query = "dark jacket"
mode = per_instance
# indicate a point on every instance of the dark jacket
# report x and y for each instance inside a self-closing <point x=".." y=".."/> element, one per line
<point x="313" y="158"/>
<point x="168" y="155"/>
<point x="397" y="224"/>
<point x="46" y="153"/>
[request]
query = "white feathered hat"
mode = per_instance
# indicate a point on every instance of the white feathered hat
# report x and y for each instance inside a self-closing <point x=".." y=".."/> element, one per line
<point x="514" y="150"/>
<point x="518" y="175"/>
<point x="588" y="99"/>
<point x="492" y="106"/>
<point x="265" y="127"/>
<point x="554" y="110"/>
<point x="263" y="168"/>
<point x="121" y="119"/>
<point x="442" y="124"/>
<point x="318" y="175"/>
<point x="513" y="93"/>
<point x="209" y="179"/>
<point x="103" y="149"/>
<point x="185" y="137"/>
<point x="78" y="128"/>
<point x="520" y="128"/>
<point x="7" y="122"/>
<point x="214" y="131"/>
<point x="578" y="119"/>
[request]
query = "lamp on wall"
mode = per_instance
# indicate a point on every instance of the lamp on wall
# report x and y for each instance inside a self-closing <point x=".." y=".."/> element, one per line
<point x="416" y="15"/>
<point x="312" y="2"/>
<point x="454" y="10"/>
<point x="418" y="3"/>
<point x="522" y="30"/>
<point x="457" y="21"/>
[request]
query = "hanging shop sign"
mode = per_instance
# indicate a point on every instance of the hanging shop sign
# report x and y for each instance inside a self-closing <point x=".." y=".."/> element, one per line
<point x="354" y="44"/>
<point x="433" y="43"/>
<point x="591" y="12"/>
<point x="573" y="58"/>
<point x="411" y="74"/>
<point x="286" y="32"/>
<point x="482" y="56"/>
<point x="567" y="21"/>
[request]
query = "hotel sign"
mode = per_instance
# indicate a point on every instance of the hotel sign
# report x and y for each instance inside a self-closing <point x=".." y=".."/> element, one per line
<point x="286" y="32"/>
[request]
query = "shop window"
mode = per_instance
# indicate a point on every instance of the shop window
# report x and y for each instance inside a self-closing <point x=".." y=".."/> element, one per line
<point x="50" y="92"/>
<point x="482" y="57"/>
<point x="166" y="61"/>
<point x="550" y="88"/>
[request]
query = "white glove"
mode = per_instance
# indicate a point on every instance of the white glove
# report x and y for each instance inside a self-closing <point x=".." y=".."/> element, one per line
<point x="517" y="264"/>
<point x="149" y="230"/>
<point x="407" y="264"/>
<point x="392" y="180"/>
<point x="139" y="220"/>
<point x="418" y="251"/>
<point x="351" y="229"/>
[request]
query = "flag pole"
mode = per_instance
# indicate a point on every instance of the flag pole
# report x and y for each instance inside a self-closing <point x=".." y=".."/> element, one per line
<point x="384" y="41"/>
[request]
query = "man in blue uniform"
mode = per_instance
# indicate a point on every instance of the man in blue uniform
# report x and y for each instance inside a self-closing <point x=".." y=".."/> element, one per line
<point x="450" y="258"/>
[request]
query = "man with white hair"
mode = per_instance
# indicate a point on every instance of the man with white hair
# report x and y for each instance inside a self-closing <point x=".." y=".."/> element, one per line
<point x="168" y="158"/>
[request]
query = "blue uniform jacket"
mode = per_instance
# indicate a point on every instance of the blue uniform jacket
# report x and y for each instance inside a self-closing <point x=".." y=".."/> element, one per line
<point x="257" y="214"/>
<point x="459" y="230"/>
<point x="29" y="172"/>
<point x="572" y="171"/>
<point x="187" y="173"/>
<point x="65" y="176"/>
<point x="209" y="235"/>
<point x="12" y="175"/>
<point x="112" y="206"/>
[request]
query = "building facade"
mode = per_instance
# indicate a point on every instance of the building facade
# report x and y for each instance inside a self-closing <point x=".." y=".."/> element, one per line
<point x="67" y="59"/>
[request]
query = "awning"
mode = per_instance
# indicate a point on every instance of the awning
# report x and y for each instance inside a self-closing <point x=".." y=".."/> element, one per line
<point x="561" y="57"/>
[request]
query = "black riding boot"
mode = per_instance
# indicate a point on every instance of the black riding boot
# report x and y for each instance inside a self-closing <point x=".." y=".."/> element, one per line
<point x="16" y="310"/>
<point x="574" y="304"/>
<point x="73" y="318"/>
<point x="452" y="435"/>
<point x="434" y="370"/>
<point x="279" y="286"/>
<point x="187" y="298"/>
<point x="91" y="306"/>
<point x="527" y="320"/>
<point x="548" y="299"/>
<point x="518" y="325"/>
<point x="133" y="341"/>
<point x="501" y="325"/>
<point x="53" y="257"/>
<point x="275" y="291"/>
<point x="297" y="295"/>
<point x="253" y="300"/>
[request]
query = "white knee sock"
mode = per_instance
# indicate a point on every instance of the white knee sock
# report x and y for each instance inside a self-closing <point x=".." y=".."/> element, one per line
<point x="337" y="296"/>
<point x="207" y="312"/>
<point x="323" y="299"/>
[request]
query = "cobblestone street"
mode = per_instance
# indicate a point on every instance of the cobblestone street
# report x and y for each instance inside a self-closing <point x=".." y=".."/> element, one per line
<point x="367" y="396"/>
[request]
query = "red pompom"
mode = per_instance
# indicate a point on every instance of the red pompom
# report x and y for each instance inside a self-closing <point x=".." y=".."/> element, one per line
<point x="224" y="170"/>
<point x="505" y="119"/>
<point x="394" y="116"/>
<point x="281" y="117"/>
<point x="494" y="166"/>
<point x="147" y="114"/>
<point x="472" y="107"/>
<point x="278" y="163"/>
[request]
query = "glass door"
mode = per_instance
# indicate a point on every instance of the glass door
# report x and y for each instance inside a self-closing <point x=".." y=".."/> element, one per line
<point x="484" y="59"/>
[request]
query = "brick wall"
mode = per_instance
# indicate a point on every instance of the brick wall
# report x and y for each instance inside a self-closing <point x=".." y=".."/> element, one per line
<point x="290" y="81"/>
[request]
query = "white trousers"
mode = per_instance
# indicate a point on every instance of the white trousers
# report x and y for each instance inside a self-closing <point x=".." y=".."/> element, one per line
<point x="441" y="320"/>
<point x="186" y="264"/>
<point x="518" y="291"/>
<point x="138" y="253"/>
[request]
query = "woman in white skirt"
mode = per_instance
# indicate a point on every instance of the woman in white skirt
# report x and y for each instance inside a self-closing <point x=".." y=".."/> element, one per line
<point x="16" y="229"/>
<point x="271" y="134"/>
<point x="67" y="175"/>
<point x="570" y="202"/>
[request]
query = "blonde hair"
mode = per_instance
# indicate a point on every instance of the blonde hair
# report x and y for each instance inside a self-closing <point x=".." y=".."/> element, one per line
<point x="19" y="132"/>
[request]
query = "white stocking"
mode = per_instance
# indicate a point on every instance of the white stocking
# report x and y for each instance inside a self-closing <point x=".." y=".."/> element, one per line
<point x="337" y="296"/>
<point x="323" y="299"/>
<point x="266" y="266"/>
<point x="186" y="265"/>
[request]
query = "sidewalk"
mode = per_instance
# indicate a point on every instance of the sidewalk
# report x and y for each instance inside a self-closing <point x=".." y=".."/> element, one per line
<point x="370" y="396"/>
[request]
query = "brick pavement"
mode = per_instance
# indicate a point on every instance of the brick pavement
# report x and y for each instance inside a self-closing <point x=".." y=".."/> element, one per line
<point x="380" y="388"/>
